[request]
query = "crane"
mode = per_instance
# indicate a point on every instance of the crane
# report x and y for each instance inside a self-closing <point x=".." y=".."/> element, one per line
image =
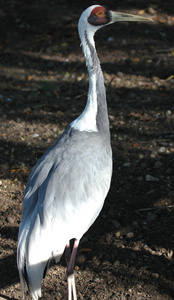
<point x="67" y="188"/>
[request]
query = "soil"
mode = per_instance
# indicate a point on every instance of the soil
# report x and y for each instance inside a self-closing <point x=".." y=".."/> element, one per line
<point x="128" y="252"/>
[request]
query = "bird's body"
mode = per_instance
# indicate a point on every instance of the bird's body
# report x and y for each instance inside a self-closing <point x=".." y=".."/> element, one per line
<point x="65" y="200"/>
<point x="67" y="188"/>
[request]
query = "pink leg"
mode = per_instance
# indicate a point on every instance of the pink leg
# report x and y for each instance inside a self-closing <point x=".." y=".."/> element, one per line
<point x="71" y="257"/>
<point x="67" y="253"/>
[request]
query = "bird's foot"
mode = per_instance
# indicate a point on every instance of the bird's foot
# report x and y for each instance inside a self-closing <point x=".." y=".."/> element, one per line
<point x="71" y="288"/>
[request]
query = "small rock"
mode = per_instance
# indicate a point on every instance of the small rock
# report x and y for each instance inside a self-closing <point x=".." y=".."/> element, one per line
<point x="139" y="286"/>
<point x="141" y="12"/>
<point x="153" y="155"/>
<point x="151" y="11"/>
<point x="35" y="135"/>
<point x="155" y="275"/>
<point x="118" y="234"/>
<point x="170" y="253"/>
<point x="111" y="117"/>
<point x="130" y="235"/>
<point x="55" y="129"/>
<point x="168" y="113"/>
<point x="10" y="219"/>
<point x="151" y="217"/>
<point x="79" y="78"/>
<point x="76" y="268"/>
<point x="162" y="150"/>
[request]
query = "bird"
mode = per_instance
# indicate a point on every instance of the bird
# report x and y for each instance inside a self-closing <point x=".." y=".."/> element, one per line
<point x="67" y="188"/>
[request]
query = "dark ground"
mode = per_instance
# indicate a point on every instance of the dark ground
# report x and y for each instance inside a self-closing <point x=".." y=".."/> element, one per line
<point x="128" y="252"/>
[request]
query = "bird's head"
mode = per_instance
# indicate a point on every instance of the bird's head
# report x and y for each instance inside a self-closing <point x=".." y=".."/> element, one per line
<point x="97" y="16"/>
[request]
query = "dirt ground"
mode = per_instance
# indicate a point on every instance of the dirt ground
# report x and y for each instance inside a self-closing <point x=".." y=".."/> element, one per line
<point x="128" y="252"/>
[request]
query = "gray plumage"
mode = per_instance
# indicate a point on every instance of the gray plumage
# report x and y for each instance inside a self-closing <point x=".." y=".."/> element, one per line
<point x="67" y="188"/>
<point x="60" y="201"/>
<point x="65" y="191"/>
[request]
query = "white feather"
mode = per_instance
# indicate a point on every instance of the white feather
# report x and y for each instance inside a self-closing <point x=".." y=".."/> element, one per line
<point x="87" y="120"/>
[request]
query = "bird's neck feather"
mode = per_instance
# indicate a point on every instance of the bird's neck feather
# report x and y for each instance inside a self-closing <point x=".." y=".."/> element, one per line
<point x="88" y="120"/>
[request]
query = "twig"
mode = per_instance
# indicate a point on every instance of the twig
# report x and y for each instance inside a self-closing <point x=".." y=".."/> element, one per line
<point x="159" y="140"/>
<point x="153" y="208"/>
<point x="168" y="78"/>
<point x="145" y="209"/>
<point x="164" y="50"/>
<point x="80" y="95"/>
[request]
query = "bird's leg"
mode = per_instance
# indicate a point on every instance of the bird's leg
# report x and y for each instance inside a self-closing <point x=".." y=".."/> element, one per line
<point x="70" y="270"/>
<point x="71" y="288"/>
<point x="67" y="258"/>
<point x="68" y="253"/>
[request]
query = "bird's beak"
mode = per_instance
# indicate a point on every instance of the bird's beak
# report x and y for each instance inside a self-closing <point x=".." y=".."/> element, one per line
<point x="123" y="17"/>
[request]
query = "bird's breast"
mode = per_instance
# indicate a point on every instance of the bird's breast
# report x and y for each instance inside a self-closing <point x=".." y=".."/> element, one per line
<point x="81" y="192"/>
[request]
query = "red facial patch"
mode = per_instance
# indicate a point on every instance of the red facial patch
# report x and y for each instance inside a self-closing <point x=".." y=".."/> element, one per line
<point x="98" y="12"/>
<point x="99" y="16"/>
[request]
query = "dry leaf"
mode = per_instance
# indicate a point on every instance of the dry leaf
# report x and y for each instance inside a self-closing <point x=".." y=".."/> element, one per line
<point x="15" y="170"/>
<point x="136" y="145"/>
<point x="85" y="250"/>
<point x="30" y="77"/>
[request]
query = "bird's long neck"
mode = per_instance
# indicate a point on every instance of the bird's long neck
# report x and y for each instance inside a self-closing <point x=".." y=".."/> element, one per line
<point x="94" y="118"/>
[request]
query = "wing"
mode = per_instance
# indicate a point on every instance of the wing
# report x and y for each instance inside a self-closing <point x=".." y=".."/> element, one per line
<point x="63" y="197"/>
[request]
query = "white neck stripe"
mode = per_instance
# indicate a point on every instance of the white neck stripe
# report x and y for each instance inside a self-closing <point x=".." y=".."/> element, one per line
<point x="87" y="120"/>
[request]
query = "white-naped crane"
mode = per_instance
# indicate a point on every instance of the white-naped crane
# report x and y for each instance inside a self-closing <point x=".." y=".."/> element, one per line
<point x="67" y="188"/>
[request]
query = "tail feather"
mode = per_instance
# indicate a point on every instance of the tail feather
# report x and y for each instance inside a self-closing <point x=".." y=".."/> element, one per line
<point x="35" y="249"/>
<point x="22" y="285"/>
<point x="33" y="279"/>
<point x="32" y="275"/>
<point x="21" y="259"/>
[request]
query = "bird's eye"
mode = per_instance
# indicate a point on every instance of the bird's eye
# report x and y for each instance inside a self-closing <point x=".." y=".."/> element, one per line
<point x="100" y="13"/>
